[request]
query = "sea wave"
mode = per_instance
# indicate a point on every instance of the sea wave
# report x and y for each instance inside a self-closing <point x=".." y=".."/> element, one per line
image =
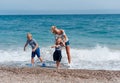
<point x="96" y="58"/>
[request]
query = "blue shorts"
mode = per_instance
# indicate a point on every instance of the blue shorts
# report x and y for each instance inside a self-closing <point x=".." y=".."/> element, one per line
<point x="37" y="52"/>
<point x="67" y="43"/>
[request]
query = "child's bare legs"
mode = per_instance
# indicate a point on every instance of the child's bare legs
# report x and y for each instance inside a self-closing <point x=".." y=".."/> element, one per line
<point x="41" y="60"/>
<point x="32" y="61"/>
<point x="58" y="64"/>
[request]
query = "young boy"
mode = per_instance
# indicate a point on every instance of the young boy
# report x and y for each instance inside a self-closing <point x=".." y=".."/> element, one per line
<point x="35" y="48"/>
<point x="57" y="56"/>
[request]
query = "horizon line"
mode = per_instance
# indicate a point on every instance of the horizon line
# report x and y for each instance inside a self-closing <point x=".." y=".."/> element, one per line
<point x="56" y="12"/>
<point x="66" y="14"/>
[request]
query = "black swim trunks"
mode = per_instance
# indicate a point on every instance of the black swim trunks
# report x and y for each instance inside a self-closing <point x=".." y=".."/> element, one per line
<point x="57" y="56"/>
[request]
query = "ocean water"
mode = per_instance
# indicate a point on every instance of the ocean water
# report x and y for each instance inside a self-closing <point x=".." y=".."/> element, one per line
<point x="94" y="39"/>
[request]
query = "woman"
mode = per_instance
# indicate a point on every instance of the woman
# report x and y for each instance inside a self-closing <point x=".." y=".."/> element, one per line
<point x="61" y="33"/>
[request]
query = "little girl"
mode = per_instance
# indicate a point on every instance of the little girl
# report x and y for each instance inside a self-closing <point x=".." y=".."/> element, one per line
<point x="57" y="56"/>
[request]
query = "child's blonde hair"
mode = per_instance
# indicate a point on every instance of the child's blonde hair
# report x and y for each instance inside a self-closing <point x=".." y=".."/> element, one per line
<point x="29" y="34"/>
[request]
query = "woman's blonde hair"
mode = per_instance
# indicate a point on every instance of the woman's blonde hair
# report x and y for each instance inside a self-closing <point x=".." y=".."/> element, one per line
<point x="53" y="29"/>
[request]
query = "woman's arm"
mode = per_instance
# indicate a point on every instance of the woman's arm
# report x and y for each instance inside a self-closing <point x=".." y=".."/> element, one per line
<point x="65" y="36"/>
<point x="62" y="44"/>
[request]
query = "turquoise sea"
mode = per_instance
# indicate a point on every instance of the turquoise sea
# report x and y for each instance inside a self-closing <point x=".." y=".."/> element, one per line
<point x="94" y="39"/>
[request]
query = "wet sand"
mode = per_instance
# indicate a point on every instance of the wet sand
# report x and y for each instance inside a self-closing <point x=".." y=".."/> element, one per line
<point x="44" y="75"/>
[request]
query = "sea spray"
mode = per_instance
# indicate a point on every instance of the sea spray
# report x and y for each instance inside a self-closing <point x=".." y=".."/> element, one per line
<point x="95" y="58"/>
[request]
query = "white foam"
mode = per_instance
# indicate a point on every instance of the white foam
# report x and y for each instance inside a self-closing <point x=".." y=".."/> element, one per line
<point x="96" y="58"/>
<point x="96" y="54"/>
<point x="13" y="55"/>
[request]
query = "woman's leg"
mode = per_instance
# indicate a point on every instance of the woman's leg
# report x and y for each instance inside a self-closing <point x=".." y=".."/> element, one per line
<point x="68" y="54"/>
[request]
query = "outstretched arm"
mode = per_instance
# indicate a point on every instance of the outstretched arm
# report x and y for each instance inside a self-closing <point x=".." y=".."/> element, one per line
<point x="55" y="46"/>
<point x="25" y="46"/>
<point x="65" y="37"/>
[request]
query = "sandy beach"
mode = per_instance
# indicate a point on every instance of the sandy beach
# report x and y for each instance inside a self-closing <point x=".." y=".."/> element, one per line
<point x="44" y="75"/>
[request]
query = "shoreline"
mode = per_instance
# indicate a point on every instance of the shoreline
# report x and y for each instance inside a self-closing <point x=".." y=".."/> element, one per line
<point x="46" y="75"/>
